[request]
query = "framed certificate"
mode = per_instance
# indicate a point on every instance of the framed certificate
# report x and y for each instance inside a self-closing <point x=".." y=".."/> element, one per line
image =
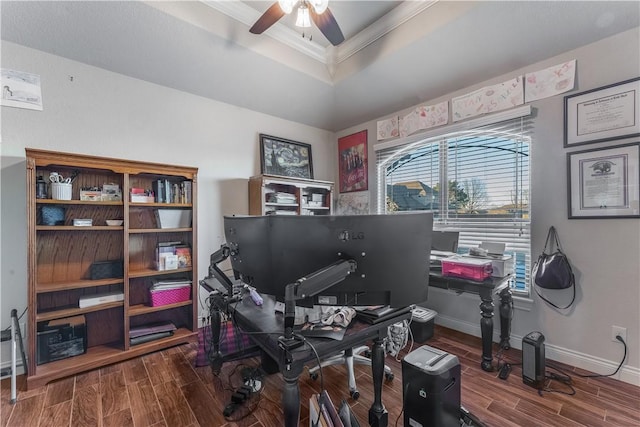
<point x="604" y="182"/>
<point x="602" y="114"/>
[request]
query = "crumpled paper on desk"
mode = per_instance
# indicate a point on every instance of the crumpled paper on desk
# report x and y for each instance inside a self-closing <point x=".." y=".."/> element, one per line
<point x="325" y="314"/>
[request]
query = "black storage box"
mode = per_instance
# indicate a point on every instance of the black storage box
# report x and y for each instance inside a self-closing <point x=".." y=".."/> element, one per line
<point x="61" y="339"/>
<point x="106" y="269"/>
<point x="422" y="320"/>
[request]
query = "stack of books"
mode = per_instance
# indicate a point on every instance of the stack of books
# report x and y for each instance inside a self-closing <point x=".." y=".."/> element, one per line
<point x="173" y="255"/>
<point x="166" y="191"/>
<point x="150" y="332"/>
<point x="280" y="197"/>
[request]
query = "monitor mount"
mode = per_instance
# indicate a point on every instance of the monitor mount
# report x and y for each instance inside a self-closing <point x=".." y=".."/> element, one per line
<point x="308" y="286"/>
<point x="220" y="298"/>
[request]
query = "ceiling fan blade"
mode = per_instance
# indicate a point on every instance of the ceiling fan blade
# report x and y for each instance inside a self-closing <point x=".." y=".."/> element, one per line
<point x="328" y="26"/>
<point x="270" y="17"/>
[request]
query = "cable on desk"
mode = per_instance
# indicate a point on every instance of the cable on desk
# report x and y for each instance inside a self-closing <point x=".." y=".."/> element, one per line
<point x="317" y="422"/>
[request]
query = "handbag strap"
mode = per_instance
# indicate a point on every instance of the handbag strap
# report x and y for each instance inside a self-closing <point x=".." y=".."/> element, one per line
<point x="573" y="286"/>
<point x="552" y="238"/>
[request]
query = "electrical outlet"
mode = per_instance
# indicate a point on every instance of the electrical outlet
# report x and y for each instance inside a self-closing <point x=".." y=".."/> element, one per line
<point x="618" y="330"/>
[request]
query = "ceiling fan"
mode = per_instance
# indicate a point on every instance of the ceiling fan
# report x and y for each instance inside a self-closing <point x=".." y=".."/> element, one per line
<point x="320" y="14"/>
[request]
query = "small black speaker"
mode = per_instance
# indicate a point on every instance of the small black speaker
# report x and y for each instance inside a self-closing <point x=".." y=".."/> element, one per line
<point x="533" y="361"/>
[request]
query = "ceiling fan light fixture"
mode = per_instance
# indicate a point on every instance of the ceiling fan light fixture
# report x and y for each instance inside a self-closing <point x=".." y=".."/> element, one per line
<point x="319" y="5"/>
<point x="287" y="5"/>
<point x="303" y="20"/>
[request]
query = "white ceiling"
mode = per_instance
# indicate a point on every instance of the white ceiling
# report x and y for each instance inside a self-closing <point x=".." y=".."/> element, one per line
<point x="397" y="54"/>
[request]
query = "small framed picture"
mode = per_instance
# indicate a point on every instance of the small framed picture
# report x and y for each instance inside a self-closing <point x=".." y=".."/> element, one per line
<point x="602" y="114"/>
<point x="604" y="182"/>
<point x="283" y="157"/>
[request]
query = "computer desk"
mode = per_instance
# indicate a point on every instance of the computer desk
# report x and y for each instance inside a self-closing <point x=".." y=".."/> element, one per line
<point x="486" y="289"/>
<point x="265" y="327"/>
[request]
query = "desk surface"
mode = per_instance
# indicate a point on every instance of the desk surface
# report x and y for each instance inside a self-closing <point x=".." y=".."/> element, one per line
<point x="266" y="326"/>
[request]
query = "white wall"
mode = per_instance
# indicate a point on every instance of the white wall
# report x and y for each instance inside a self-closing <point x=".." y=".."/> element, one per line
<point x="106" y="114"/>
<point x="605" y="253"/>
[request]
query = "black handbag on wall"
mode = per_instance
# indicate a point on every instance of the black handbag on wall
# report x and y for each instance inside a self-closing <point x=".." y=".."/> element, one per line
<point x="552" y="270"/>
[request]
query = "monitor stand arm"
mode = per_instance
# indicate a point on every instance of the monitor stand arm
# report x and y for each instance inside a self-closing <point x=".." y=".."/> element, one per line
<point x="309" y="286"/>
<point x="218" y="301"/>
<point x="214" y="271"/>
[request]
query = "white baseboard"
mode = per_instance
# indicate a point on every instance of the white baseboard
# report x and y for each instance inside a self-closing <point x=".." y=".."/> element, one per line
<point x="590" y="363"/>
<point x="7" y="364"/>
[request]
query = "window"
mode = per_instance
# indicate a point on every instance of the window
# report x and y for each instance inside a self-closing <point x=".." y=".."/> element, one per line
<point x="476" y="181"/>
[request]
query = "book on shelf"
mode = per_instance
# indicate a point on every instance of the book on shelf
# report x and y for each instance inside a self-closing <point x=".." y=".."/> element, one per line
<point x="183" y="253"/>
<point x="151" y="328"/>
<point x="186" y="188"/>
<point x="158" y="190"/>
<point x="150" y="337"/>
<point x="97" y="299"/>
<point x="168" y="258"/>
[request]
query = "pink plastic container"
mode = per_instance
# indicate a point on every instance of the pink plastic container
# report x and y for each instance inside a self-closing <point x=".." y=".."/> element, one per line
<point x="170" y="296"/>
<point x="467" y="268"/>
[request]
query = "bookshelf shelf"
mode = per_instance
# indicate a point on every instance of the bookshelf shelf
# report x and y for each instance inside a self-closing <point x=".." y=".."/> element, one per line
<point x="78" y="202"/>
<point x="79" y="228"/>
<point x="61" y="258"/>
<point x="149" y="272"/>
<point x="42" y="288"/>
<point x="160" y="205"/>
<point x="102" y="355"/>
<point x="158" y="230"/>
<point x="75" y="311"/>
<point x="140" y="309"/>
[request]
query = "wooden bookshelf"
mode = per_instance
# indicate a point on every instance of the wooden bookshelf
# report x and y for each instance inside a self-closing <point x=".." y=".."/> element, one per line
<point x="60" y="258"/>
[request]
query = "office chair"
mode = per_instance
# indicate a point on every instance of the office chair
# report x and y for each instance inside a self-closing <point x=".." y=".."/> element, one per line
<point x="349" y="357"/>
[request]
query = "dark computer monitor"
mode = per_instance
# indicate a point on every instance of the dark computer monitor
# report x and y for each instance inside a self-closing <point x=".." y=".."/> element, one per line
<point x="445" y="241"/>
<point x="391" y="252"/>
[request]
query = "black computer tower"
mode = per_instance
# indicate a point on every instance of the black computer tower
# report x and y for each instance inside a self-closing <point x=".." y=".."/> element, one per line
<point x="431" y="388"/>
<point x="533" y="360"/>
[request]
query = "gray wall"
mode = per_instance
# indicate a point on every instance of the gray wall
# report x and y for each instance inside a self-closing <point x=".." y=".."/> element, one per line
<point x="607" y="272"/>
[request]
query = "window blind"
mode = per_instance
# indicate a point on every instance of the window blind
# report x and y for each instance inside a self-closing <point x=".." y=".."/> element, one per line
<point x="475" y="181"/>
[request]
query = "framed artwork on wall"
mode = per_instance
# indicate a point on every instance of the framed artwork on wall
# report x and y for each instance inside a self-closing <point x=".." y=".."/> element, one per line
<point x="604" y="182"/>
<point x="283" y="157"/>
<point x="352" y="162"/>
<point x="602" y="114"/>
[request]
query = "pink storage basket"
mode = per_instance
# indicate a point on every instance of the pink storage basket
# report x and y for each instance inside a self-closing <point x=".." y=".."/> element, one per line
<point x="468" y="268"/>
<point x="170" y="296"/>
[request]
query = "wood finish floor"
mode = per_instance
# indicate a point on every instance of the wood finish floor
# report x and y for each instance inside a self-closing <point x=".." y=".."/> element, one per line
<point x="164" y="389"/>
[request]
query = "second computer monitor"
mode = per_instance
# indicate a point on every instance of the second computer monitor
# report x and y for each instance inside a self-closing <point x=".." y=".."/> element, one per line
<point x="445" y="241"/>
